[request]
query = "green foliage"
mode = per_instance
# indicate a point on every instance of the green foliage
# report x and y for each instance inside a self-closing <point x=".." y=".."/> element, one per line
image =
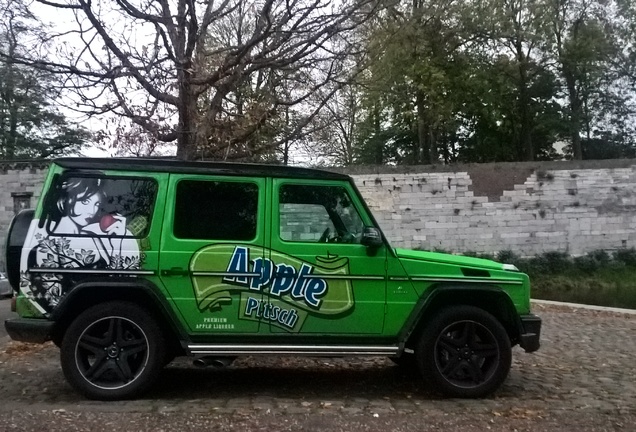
<point x="548" y="263"/>
<point x="625" y="256"/>
<point x="29" y="126"/>
<point x="410" y="86"/>
<point x="612" y="288"/>
<point x="597" y="278"/>
<point x="481" y="255"/>
<point x="499" y="81"/>
<point x="507" y="257"/>
<point x="492" y="121"/>
<point x="608" y="146"/>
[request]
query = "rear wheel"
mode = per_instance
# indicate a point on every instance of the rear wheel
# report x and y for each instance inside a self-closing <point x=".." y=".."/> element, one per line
<point x="465" y="352"/>
<point x="112" y="351"/>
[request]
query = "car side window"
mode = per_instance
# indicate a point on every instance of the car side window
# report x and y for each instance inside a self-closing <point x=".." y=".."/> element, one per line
<point x="214" y="210"/>
<point x="317" y="214"/>
<point x="99" y="206"/>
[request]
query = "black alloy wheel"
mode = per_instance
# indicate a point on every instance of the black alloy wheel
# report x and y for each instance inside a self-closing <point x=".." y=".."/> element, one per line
<point x="112" y="351"/>
<point x="465" y="352"/>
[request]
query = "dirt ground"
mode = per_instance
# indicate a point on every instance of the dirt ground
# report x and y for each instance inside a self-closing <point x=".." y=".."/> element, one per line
<point x="62" y="421"/>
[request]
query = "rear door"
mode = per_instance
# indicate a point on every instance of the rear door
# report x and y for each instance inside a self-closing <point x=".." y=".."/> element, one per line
<point x="214" y="227"/>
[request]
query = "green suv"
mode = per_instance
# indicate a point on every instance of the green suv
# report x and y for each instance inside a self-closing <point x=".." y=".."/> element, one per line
<point x="127" y="263"/>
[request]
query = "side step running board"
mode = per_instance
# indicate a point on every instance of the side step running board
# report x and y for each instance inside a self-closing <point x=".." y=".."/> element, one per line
<point x="301" y="350"/>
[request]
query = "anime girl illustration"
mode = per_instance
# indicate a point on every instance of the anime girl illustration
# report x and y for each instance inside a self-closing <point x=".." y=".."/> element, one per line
<point x="78" y="233"/>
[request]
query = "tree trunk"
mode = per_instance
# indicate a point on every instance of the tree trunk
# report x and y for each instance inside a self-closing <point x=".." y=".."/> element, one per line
<point x="378" y="145"/>
<point x="13" y="130"/>
<point x="433" y="153"/>
<point x="187" y="139"/>
<point x="525" y="134"/>
<point x="576" y="105"/>
<point x="12" y="106"/>
<point x="286" y="142"/>
<point x="423" y="151"/>
<point x="575" y="114"/>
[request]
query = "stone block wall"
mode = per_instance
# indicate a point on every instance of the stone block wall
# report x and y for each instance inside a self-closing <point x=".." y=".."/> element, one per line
<point x="529" y="208"/>
<point x="574" y="211"/>
<point x="20" y="187"/>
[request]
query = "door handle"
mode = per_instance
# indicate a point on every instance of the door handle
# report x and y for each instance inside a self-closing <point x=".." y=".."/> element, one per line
<point x="175" y="271"/>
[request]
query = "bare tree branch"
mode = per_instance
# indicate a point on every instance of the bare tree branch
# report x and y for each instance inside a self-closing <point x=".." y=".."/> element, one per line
<point x="225" y="73"/>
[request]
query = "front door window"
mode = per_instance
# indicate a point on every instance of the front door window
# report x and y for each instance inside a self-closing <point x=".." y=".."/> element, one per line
<point x="318" y="214"/>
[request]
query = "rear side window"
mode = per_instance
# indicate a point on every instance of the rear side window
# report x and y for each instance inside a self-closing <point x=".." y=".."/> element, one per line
<point x="99" y="206"/>
<point x="212" y="210"/>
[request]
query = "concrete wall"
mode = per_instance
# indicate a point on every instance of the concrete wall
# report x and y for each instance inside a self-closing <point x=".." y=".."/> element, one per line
<point x="530" y="208"/>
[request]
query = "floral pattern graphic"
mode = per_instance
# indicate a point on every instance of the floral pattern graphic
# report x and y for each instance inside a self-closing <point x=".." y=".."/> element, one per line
<point x="58" y="253"/>
<point x="69" y="253"/>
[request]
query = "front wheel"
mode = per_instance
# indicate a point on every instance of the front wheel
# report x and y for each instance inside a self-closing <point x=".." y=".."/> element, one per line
<point x="465" y="352"/>
<point x="112" y="351"/>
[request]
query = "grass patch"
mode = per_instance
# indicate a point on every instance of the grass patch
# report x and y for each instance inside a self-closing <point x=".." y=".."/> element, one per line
<point x="613" y="289"/>
<point x="598" y="278"/>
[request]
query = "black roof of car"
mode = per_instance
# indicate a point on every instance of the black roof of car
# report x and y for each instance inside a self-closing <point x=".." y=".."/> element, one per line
<point x="191" y="167"/>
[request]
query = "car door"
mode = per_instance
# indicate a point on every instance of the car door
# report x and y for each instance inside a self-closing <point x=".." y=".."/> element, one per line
<point x="323" y="280"/>
<point x="213" y="228"/>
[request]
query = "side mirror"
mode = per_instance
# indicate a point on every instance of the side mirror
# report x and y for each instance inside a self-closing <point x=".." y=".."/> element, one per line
<point x="371" y="237"/>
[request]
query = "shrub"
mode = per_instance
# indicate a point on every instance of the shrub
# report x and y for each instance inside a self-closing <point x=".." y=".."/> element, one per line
<point x="598" y="278"/>
<point x="625" y="256"/>
<point x="473" y="254"/>
<point x="507" y="257"/>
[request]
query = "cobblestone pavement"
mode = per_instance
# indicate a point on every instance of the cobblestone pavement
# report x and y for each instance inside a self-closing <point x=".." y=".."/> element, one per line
<point x="586" y="365"/>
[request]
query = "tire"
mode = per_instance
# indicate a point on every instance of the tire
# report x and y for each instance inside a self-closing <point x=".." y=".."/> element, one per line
<point x="112" y="351"/>
<point x="407" y="362"/>
<point x="465" y="352"/>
